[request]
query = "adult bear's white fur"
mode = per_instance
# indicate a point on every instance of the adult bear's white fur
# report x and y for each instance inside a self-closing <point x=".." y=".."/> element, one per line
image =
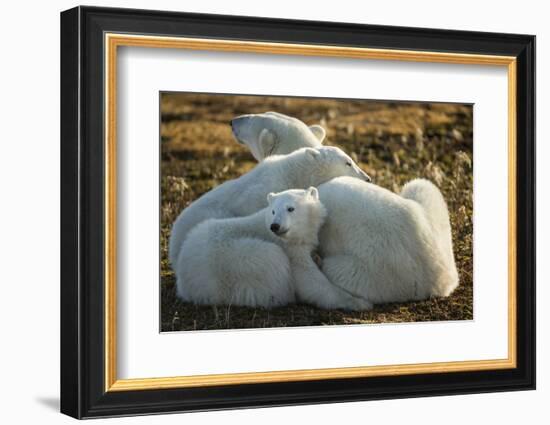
<point x="272" y="133"/>
<point x="383" y="246"/>
<point x="247" y="194"/>
<point x="240" y="261"/>
<point x="387" y="247"/>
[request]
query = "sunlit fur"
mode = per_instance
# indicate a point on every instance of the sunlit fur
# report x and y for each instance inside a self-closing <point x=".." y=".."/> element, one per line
<point x="387" y="247"/>
<point x="272" y="133"/>
<point x="247" y="194"/>
<point x="381" y="245"/>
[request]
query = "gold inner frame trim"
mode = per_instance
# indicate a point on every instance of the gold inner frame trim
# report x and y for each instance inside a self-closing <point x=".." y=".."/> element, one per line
<point x="113" y="41"/>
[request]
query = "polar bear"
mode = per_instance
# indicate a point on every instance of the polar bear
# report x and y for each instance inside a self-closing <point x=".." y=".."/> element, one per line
<point x="272" y="133"/>
<point x="247" y="194"/>
<point x="262" y="260"/>
<point x="387" y="247"/>
<point x="365" y="215"/>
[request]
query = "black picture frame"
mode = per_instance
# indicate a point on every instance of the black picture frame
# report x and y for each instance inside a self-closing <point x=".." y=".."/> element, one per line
<point x="83" y="392"/>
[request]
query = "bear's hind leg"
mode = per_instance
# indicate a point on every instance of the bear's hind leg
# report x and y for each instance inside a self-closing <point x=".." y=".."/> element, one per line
<point x="313" y="287"/>
<point x="347" y="272"/>
<point x="430" y="198"/>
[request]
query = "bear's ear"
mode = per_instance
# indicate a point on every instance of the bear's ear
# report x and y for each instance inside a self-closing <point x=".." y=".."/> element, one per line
<point x="313" y="192"/>
<point x="267" y="142"/>
<point x="314" y="153"/>
<point x="318" y="131"/>
<point x="270" y="197"/>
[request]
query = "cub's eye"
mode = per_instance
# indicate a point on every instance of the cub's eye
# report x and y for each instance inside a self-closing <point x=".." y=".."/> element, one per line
<point x="273" y="212"/>
<point x="290" y="209"/>
<point x="348" y="163"/>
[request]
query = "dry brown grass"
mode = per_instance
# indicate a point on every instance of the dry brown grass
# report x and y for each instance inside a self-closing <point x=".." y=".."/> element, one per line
<point x="393" y="142"/>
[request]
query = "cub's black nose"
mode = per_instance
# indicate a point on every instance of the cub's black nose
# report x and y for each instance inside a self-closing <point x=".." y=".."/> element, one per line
<point x="275" y="227"/>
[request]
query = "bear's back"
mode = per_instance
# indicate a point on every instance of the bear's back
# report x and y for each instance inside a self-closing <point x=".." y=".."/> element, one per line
<point x="363" y="216"/>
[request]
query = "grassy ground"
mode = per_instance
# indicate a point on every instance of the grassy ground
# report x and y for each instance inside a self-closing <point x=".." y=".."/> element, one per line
<point x="393" y="142"/>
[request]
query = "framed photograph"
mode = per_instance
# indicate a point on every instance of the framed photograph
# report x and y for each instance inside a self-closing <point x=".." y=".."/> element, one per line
<point x="261" y="212"/>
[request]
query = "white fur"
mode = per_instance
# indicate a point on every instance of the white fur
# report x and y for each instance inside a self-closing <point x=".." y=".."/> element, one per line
<point x="247" y="194"/>
<point x="272" y="133"/>
<point x="240" y="261"/>
<point x="378" y="244"/>
<point x="387" y="247"/>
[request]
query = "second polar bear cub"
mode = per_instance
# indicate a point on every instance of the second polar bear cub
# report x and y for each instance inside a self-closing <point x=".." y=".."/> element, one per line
<point x="262" y="260"/>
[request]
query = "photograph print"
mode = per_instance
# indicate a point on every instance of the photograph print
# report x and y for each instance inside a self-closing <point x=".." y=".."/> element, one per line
<point x="289" y="211"/>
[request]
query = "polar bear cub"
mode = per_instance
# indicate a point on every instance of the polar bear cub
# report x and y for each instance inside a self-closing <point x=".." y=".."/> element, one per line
<point x="247" y="194"/>
<point x="387" y="247"/>
<point x="272" y="133"/>
<point x="262" y="260"/>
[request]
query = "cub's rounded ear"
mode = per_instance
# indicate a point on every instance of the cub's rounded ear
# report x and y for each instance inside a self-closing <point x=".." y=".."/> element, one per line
<point x="267" y="142"/>
<point x="270" y="197"/>
<point x="313" y="192"/>
<point x="314" y="153"/>
<point x="318" y="131"/>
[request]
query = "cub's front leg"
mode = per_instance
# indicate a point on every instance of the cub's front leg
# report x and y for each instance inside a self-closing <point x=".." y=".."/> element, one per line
<point x="313" y="287"/>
